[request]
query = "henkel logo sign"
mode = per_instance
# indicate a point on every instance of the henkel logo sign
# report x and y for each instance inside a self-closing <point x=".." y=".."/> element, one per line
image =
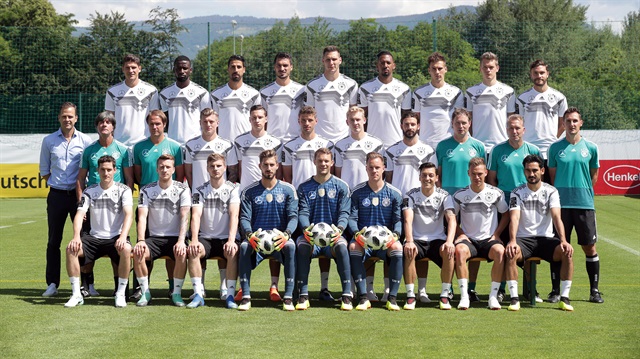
<point x="622" y="177"/>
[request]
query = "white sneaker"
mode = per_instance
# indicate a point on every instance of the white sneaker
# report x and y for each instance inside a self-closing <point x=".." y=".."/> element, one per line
<point x="51" y="291"/>
<point x="74" y="301"/>
<point x="92" y="291"/>
<point x="494" y="304"/>
<point x="424" y="297"/>
<point x="464" y="303"/>
<point x="371" y="296"/>
<point x="385" y="296"/>
<point x="121" y="301"/>
<point x="223" y="293"/>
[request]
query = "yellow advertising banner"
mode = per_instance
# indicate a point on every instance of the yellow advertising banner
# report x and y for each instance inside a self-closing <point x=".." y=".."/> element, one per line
<point x="22" y="180"/>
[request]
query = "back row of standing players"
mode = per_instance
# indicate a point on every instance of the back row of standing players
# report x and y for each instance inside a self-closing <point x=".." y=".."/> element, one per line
<point x="384" y="99"/>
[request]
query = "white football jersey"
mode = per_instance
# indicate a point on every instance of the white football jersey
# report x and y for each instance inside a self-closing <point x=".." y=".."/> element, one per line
<point x="540" y="112"/>
<point x="298" y="153"/>
<point x="404" y="161"/>
<point x="248" y="149"/>
<point x="479" y="211"/>
<point x="535" y="210"/>
<point x="105" y="207"/>
<point x="196" y="152"/>
<point x="214" y="223"/>
<point x="428" y="213"/>
<point x="490" y="105"/>
<point x="233" y="108"/>
<point x="384" y="103"/>
<point x="184" y="106"/>
<point x="131" y="106"/>
<point x="351" y="156"/>
<point x="283" y="103"/>
<point x="436" y="106"/>
<point x="163" y="219"/>
<point x="331" y="100"/>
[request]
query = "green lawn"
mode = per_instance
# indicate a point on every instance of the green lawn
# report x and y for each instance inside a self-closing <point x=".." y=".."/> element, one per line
<point x="33" y="326"/>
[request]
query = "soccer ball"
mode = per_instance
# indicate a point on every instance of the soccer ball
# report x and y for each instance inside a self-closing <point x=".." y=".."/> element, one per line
<point x="375" y="237"/>
<point x="265" y="241"/>
<point x="322" y="233"/>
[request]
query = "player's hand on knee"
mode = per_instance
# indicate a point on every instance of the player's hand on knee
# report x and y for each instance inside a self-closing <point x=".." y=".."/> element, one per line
<point x="194" y="249"/>
<point x="410" y="250"/>
<point x="180" y="249"/>
<point x="140" y="249"/>
<point x="230" y="249"/>
<point x="120" y="244"/>
<point x="511" y="250"/>
<point x="449" y="249"/>
<point x="74" y="246"/>
<point x="567" y="249"/>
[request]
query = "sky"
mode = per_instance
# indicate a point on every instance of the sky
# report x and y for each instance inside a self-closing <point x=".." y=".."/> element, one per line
<point x="599" y="10"/>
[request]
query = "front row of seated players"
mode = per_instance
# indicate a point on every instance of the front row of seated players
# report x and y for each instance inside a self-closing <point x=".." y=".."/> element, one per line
<point x="273" y="204"/>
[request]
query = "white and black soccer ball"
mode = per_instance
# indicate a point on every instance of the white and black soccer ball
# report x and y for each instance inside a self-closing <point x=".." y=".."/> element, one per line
<point x="265" y="241"/>
<point x="376" y="237"/>
<point x="322" y="233"/>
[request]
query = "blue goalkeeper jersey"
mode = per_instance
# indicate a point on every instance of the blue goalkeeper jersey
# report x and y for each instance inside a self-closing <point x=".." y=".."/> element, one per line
<point x="268" y="209"/>
<point x="327" y="202"/>
<point x="369" y="208"/>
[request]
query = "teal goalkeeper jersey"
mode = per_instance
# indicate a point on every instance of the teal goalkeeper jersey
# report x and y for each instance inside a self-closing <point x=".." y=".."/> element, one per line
<point x="92" y="154"/>
<point x="454" y="158"/>
<point x="573" y="176"/>
<point x="507" y="162"/>
<point x="145" y="154"/>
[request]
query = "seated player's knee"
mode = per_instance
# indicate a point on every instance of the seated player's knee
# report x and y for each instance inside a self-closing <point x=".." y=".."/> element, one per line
<point x="462" y="252"/>
<point x="353" y="246"/>
<point x="396" y="246"/>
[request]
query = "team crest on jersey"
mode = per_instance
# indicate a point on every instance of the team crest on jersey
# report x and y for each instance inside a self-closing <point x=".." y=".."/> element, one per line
<point x="499" y="91"/>
<point x="191" y="92"/>
<point x="268" y="142"/>
<point x="375" y="201"/>
<point x="280" y="197"/>
<point x="366" y="202"/>
<point x="368" y="145"/>
<point x="449" y="153"/>
<point x="395" y="88"/>
<point x="436" y="202"/>
<point x="331" y="193"/>
<point x="217" y="147"/>
<point x="94" y="156"/>
<point x="386" y="202"/>
<point x="562" y="154"/>
<point x="258" y="200"/>
<point x="552" y="98"/>
<point x="145" y="153"/>
<point x="312" y="195"/>
<point x="584" y="152"/>
<point x="489" y="196"/>
<point x="244" y="94"/>
<point x="115" y="155"/>
<point x="504" y="158"/>
<point x="341" y="86"/>
<point x="472" y="152"/>
<point x="421" y="151"/>
<point x="141" y="91"/>
<point x="321" y="192"/>
<point x="448" y="92"/>
<point x="166" y="151"/>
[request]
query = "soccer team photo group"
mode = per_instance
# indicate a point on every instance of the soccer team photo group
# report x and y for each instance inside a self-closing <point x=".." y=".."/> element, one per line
<point x="434" y="177"/>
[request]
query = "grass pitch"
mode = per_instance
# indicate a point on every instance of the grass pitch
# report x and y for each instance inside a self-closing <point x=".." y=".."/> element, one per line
<point x="34" y="327"/>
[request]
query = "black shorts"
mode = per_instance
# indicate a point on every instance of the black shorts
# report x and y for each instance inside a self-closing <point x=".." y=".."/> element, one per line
<point x="480" y="248"/>
<point x="542" y="247"/>
<point x="584" y="221"/>
<point x="213" y="247"/>
<point x="94" y="248"/>
<point x="431" y="250"/>
<point x="161" y="247"/>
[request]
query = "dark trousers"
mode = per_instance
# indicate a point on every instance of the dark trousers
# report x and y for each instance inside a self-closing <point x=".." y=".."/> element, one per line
<point x="60" y="204"/>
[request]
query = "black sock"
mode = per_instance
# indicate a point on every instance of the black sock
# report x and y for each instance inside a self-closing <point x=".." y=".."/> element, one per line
<point x="83" y="280"/>
<point x="90" y="279"/>
<point x="593" y="270"/>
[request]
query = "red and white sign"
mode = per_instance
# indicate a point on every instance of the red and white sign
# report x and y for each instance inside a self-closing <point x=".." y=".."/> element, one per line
<point x="618" y="177"/>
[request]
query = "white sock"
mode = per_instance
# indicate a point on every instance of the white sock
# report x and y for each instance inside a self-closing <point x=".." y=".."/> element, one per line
<point x="122" y="286"/>
<point x="513" y="288"/>
<point x="231" y="287"/>
<point x="177" y="285"/>
<point x="422" y="284"/>
<point x="274" y="282"/>
<point x="196" y="282"/>
<point x="495" y="286"/>
<point x="144" y="284"/>
<point x="386" y="284"/>
<point x="565" y="288"/>
<point x="369" y="284"/>
<point x="75" y="286"/>
<point x="445" y="289"/>
<point x="410" y="293"/>
<point x="463" y="283"/>
<point x="223" y="278"/>
<point x="324" y="280"/>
